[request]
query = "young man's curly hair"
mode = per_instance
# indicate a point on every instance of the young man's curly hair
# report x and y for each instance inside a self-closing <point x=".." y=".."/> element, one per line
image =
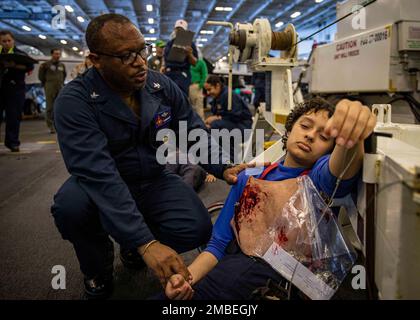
<point x="312" y="105"/>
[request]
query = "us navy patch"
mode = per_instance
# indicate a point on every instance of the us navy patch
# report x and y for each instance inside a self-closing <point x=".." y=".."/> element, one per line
<point x="162" y="118"/>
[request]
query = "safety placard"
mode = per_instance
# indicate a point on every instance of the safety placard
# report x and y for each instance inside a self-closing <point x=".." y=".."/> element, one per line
<point x="359" y="63"/>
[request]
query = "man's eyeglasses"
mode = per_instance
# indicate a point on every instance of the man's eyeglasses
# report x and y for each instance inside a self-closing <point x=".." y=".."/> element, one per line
<point x="130" y="57"/>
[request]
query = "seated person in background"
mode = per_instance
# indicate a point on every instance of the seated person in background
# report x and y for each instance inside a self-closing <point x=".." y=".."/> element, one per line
<point x="319" y="142"/>
<point x="238" y="118"/>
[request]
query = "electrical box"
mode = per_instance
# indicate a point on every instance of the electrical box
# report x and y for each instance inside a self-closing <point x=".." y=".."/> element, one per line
<point x="409" y="36"/>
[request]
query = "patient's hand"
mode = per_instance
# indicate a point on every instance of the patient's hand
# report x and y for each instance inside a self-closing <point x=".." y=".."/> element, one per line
<point x="178" y="289"/>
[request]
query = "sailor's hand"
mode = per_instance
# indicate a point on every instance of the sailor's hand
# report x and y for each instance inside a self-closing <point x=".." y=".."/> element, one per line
<point x="230" y="175"/>
<point x="188" y="50"/>
<point x="178" y="289"/>
<point x="351" y="123"/>
<point x="164" y="262"/>
<point x="211" y="119"/>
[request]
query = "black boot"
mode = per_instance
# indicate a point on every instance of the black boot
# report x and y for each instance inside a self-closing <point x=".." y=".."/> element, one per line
<point x="99" y="288"/>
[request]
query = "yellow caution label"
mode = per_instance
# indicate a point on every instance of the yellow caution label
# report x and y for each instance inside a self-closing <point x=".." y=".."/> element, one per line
<point x="280" y="118"/>
<point x="391" y="86"/>
<point x="268" y="144"/>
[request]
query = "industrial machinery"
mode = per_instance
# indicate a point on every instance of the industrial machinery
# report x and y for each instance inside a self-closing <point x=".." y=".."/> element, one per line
<point x="251" y="44"/>
<point x="386" y="216"/>
<point x="375" y="58"/>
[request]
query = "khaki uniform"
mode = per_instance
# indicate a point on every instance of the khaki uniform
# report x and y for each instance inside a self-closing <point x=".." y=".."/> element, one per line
<point x="52" y="75"/>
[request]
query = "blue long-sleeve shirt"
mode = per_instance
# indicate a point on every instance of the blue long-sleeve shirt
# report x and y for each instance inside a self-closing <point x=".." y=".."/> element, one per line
<point x="320" y="175"/>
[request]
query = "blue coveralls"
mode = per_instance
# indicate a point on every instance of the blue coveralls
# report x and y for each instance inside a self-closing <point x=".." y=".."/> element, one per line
<point x="117" y="187"/>
<point x="258" y="80"/>
<point x="12" y="99"/>
<point x="238" y="118"/>
<point x="179" y="72"/>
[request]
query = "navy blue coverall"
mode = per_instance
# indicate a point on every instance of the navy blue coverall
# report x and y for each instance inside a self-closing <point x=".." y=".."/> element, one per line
<point x="179" y="72"/>
<point x="117" y="188"/>
<point x="238" y="118"/>
<point x="258" y="81"/>
<point x="12" y="99"/>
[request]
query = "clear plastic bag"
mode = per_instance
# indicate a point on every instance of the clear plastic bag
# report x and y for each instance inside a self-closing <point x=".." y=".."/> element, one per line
<point x="307" y="245"/>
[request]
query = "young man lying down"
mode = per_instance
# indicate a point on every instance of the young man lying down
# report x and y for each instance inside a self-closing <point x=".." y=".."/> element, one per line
<point x="320" y="141"/>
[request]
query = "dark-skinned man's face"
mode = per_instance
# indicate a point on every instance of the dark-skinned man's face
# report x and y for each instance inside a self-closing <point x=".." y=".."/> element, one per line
<point x="121" y="39"/>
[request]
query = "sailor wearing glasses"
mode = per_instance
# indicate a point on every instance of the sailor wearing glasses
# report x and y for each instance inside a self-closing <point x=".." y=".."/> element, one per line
<point x="106" y="122"/>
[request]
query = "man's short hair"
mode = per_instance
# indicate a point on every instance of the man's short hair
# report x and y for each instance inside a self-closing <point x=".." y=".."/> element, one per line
<point x="94" y="37"/>
<point x="55" y="49"/>
<point x="311" y="106"/>
<point x="6" y="32"/>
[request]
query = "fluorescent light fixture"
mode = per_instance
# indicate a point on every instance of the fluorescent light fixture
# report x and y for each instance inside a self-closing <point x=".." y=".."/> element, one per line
<point x="151" y="20"/>
<point x="200" y="45"/>
<point x="295" y="15"/>
<point x="206" y="31"/>
<point x="149" y="7"/>
<point x="26" y="28"/>
<point x="202" y="39"/>
<point x="223" y="8"/>
<point x="318" y="1"/>
<point x="150" y="38"/>
<point x="75" y="49"/>
<point x="152" y="30"/>
<point x="69" y="8"/>
<point x="63" y="41"/>
<point x="42" y="37"/>
<point x="80" y="19"/>
<point x="279" y="24"/>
